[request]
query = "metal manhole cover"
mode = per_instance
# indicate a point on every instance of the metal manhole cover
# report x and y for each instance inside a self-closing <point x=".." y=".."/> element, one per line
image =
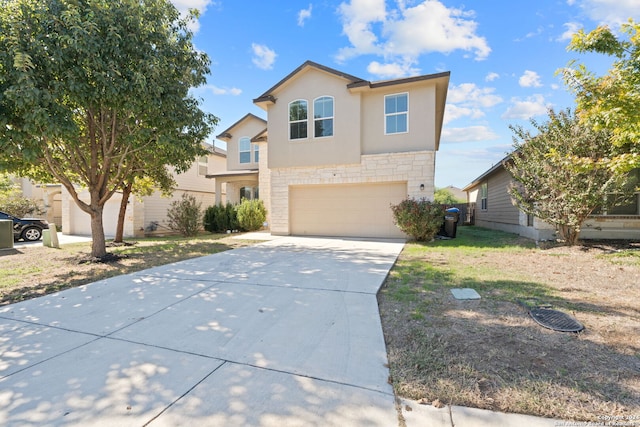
<point x="556" y="320"/>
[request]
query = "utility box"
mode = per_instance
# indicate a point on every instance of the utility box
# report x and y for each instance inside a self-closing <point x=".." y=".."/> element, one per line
<point x="6" y="234"/>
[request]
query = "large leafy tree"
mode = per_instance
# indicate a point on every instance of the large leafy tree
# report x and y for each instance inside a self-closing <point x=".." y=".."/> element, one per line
<point x="561" y="174"/>
<point x="610" y="101"/>
<point x="94" y="93"/>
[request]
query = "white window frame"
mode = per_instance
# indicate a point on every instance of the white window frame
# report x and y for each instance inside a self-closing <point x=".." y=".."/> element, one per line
<point x="203" y="165"/>
<point x="484" y="196"/>
<point x="244" y="139"/>
<point x="255" y="152"/>
<point x="396" y="113"/>
<point x="331" y="117"/>
<point x="305" y="120"/>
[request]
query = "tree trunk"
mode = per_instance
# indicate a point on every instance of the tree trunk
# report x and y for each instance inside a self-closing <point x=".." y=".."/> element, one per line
<point x="569" y="234"/>
<point x="98" y="245"/>
<point x="126" y="192"/>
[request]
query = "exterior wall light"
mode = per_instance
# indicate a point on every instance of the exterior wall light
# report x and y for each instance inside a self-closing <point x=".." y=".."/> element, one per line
<point x="421" y="187"/>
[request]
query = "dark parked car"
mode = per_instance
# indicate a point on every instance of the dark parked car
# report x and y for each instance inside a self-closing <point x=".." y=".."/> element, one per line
<point x="29" y="229"/>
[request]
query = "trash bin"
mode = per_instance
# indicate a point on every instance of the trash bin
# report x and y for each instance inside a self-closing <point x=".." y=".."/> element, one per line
<point x="6" y="234"/>
<point x="450" y="226"/>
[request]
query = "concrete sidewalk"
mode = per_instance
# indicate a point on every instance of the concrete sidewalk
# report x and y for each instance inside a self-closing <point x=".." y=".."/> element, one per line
<point x="284" y="333"/>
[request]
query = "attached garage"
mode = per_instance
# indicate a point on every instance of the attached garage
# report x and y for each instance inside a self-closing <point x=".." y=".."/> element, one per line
<point x="80" y="221"/>
<point x="349" y="210"/>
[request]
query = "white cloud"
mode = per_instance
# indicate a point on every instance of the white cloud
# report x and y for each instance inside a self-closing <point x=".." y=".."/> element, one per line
<point x="572" y="28"/>
<point x="357" y="22"/>
<point x="263" y="56"/>
<point x="468" y="100"/>
<point x="304" y="14"/>
<point x="183" y="7"/>
<point x="470" y="94"/>
<point x="432" y="27"/>
<point x="530" y="79"/>
<point x="610" y="12"/>
<point x="491" y="77"/>
<point x="224" y="90"/>
<point x="400" y="35"/>
<point x="468" y="134"/>
<point x="524" y="109"/>
<point x="453" y="112"/>
<point x="391" y="70"/>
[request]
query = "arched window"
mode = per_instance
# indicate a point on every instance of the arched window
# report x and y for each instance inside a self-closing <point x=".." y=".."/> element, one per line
<point x="323" y="116"/>
<point x="298" y="119"/>
<point x="244" y="148"/>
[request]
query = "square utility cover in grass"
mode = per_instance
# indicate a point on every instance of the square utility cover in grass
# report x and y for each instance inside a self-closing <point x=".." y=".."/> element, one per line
<point x="489" y="353"/>
<point x="465" y="294"/>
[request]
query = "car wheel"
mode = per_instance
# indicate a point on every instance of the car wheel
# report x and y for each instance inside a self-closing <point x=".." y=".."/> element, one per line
<point x="32" y="234"/>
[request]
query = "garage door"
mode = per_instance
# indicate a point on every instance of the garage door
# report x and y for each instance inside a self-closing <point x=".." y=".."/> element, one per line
<point x="350" y="210"/>
<point x="80" y="221"/>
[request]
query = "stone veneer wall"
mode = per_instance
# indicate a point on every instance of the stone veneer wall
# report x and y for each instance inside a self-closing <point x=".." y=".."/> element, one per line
<point x="264" y="179"/>
<point x="414" y="168"/>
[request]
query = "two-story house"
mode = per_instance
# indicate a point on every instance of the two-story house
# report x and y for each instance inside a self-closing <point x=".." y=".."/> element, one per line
<point x="337" y="150"/>
<point x="147" y="215"/>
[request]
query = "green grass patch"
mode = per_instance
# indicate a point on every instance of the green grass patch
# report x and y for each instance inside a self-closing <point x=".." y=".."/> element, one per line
<point x="624" y="257"/>
<point x="428" y="270"/>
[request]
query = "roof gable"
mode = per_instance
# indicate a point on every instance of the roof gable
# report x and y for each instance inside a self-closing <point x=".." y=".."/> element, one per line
<point x="269" y="97"/>
<point x="226" y="134"/>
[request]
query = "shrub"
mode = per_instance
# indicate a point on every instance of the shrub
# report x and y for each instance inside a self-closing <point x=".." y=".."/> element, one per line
<point x="14" y="203"/>
<point x="420" y="219"/>
<point x="220" y="218"/>
<point x="185" y="216"/>
<point x="19" y="206"/>
<point x="232" y="217"/>
<point x="251" y="214"/>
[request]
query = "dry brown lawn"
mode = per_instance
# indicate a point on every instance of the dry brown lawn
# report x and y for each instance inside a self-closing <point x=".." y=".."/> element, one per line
<point x="489" y="353"/>
<point x="30" y="271"/>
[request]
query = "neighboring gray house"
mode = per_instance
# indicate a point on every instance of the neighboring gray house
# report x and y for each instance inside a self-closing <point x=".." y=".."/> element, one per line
<point x="494" y="209"/>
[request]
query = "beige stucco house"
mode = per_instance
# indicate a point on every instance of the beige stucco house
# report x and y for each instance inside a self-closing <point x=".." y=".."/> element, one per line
<point x="147" y="215"/>
<point x="494" y="209"/>
<point x="337" y="150"/>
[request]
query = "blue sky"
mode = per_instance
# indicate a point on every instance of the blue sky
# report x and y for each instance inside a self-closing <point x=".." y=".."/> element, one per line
<point x="503" y="56"/>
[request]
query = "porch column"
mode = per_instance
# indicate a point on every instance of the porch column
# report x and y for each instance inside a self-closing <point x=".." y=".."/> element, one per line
<point x="218" y="182"/>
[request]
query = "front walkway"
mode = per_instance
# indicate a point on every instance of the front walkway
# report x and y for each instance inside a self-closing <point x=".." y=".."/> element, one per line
<point x="284" y="333"/>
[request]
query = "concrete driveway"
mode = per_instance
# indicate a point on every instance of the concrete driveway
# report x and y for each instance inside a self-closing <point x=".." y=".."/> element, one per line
<point x="284" y="333"/>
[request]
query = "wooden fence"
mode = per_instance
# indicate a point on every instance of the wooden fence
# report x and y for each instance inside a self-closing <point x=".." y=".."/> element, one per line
<point x="467" y="212"/>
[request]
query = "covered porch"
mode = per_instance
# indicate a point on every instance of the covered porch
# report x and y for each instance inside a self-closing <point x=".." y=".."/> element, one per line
<point x="239" y="185"/>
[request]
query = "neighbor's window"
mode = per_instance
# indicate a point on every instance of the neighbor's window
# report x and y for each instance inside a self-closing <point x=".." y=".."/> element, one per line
<point x="629" y="205"/>
<point x="484" y="191"/>
<point x="203" y="165"/>
<point x="396" y="113"/>
<point x="298" y="119"/>
<point x="244" y="148"/>
<point x="323" y="116"/>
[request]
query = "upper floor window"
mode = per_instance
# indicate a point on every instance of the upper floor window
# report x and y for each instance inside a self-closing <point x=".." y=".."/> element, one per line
<point x="323" y="116"/>
<point x="203" y="165"/>
<point x="256" y="152"/>
<point x="244" y="148"/>
<point x="396" y="113"/>
<point x="298" y="119"/>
